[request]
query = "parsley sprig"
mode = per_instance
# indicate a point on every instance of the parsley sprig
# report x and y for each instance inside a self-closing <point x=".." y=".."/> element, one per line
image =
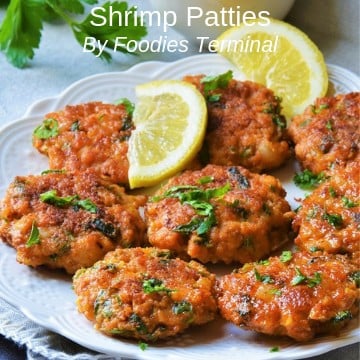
<point x="198" y="199"/>
<point x="22" y="26"/>
<point x="307" y="180"/>
<point x="214" y="82"/>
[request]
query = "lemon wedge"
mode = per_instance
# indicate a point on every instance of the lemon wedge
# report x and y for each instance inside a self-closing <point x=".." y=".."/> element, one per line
<point x="170" y="120"/>
<point x="279" y="56"/>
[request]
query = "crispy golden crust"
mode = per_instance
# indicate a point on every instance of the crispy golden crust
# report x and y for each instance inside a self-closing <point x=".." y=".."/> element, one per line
<point x="92" y="135"/>
<point x="329" y="218"/>
<point x="251" y="218"/>
<point x="245" y="127"/>
<point x="298" y="298"/>
<point x="327" y="134"/>
<point x="69" y="236"/>
<point x="143" y="293"/>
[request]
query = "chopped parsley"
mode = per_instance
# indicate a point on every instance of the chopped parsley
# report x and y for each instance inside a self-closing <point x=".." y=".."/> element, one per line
<point x="213" y="82"/>
<point x="143" y="346"/>
<point x="48" y="129"/>
<point x="274" y="349"/>
<point x="154" y="285"/>
<point x="266" y="279"/>
<point x="51" y="197"/>
<point x="181" y="307"/>
<point x="342" y="315"/>
<point x="307" y="180"/>
<point x="321" y="107"/>
<point x="334" y="219"/>
<point x="198" y="199"/>
<point x="300" y="278"/>
<point x="34" y="237"/>
<point x="129" y="106"/>
<point x="355" y="276"/>
<point x="206" y="180"/>
<point x="286" y="256"/>
<point x="348" y="203"/>
<point x="75" y="126"/>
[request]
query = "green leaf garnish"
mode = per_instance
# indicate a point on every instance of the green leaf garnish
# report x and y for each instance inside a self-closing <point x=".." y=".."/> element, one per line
<point x="181" y="307"/>
<point x="48" y="129"/>
<point x="348" y="203"/>
<point x="34" y="237"/>
<point x="334" y="219"/>
<point x="286" y="256"/>
<point x="301" y="278"/>
<point x="341" y="316"/>
<point x="143" y="346"/>
<point x="129" y="106"/>
<point x="307" y="180"/>
<point x="266" y="279"/>
<point x="213" y="82"/>
<point x="154" y="285"/>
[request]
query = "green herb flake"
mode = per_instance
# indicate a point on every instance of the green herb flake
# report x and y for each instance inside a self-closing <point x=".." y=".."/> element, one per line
<point x="181" y="307"/>
<point x="355" y="276"/>
<point x="206" y="180"/>
<point x="307" y="180"/>
<point x="142" y="345"/>
<point x="34" y="237"/>
<point x="329" y="125"/>
<point x="75" y="126"/>
<point x="50" y="197"/>
<point x="87" y="205"/>
<point x="274" y="349"/>
<point x="266" y="279"/>
<point x="53" y="171"/>
<point x="286" y="256"/>
<point x="341" y="316"/>
<point x="348" y="203"/>
<point x="335" y="220"/>
<point x="301" y="278"/>
<point x="154" y="285"/>
<point x="321" y="107"/>
<point x="129" y="106"/>
<point x="48" y="129"/>
<point x="332" y="192"/>
<point x="276" y="292"/>
<point x="212" y="83"/>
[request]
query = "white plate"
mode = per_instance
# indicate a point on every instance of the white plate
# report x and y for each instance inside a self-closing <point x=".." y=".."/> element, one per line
<point x="47" y="298"/>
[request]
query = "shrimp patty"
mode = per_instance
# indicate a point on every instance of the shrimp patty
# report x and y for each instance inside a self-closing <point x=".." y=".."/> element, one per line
<point x="245" y="126"/>
<point x="93" y="135"/>
<point x="327" y="134"/>
<point x="296" y="295"/>
<point x="69" y="220"/>
<point x="219" y="214"/>
<point x="329" y="218"/>
<point x="144" y="293"/>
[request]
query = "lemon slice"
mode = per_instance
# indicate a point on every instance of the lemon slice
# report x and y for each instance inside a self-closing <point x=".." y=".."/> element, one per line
<point x="279" y="56"/>
<point x="170" y="119"/>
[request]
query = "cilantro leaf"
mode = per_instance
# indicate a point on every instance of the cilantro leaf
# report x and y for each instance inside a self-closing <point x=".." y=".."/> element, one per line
<point x="129" y="106"/>
<point x="20" y="31"/>
<point x="48" y="129"/>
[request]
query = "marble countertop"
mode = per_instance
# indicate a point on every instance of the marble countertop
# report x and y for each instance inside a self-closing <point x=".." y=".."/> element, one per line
<point x="333" y="25"/>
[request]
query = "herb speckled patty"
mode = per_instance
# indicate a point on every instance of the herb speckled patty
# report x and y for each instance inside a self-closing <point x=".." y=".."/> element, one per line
<point x="92" y="135"/>
<point x="245" y="124"/>
<point x="144" y="293"/>
<point x="327" y="134"/>
<point x="69" y="220"/>
<point x="295" y="294"/>
<point x="219" y="214"/>
<point x="328" y="220"/>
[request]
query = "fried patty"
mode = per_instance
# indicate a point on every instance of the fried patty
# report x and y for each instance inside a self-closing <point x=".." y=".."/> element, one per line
<point x="296" y="295"/>
<point x="69" y="220"/>
<point x="219" y="214"/>
<point x="144" y="293"/>
<point x="327" y="134"/>
<point x="245" y="126"/>
<point x="329" y="218"/>
<point x="93" y="135"/>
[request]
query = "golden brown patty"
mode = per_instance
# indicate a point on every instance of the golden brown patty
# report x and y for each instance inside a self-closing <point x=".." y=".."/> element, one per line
<point x="143" y="293"/>
<point x="245" y="126"/>
<point x="93" y="135"/>
<point x="65" y="220"/>
<point x="327" y="134"/>
<point x="219" y="214"/>
<point x="297" y="295"/>
<point x="329" y="218"/>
